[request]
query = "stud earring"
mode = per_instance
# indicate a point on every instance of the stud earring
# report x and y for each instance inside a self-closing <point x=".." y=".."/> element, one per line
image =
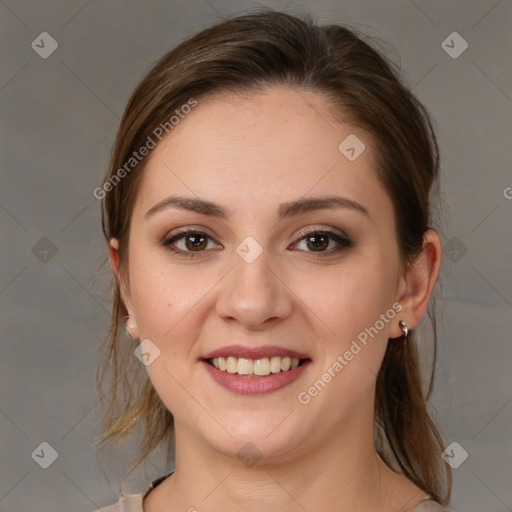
<point x="129" y="325"/>
<point x="405" y="329"/>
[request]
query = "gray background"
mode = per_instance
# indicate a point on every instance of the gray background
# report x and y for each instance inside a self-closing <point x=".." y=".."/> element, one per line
<point x="59" y="119"/>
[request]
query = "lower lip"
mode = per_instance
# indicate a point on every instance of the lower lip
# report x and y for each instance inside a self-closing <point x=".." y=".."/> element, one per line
<point x="255" y="385"/>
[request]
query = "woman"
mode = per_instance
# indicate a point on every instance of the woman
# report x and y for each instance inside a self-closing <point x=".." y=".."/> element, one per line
<point x="267" y="211"/>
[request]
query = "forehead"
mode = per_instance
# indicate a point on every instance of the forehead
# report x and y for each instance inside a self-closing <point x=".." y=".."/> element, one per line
<point x="262" y="149"/>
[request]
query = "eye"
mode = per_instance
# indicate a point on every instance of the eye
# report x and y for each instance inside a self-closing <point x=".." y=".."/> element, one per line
<point x="319" y="241"/>
<point x="195" y="242"/>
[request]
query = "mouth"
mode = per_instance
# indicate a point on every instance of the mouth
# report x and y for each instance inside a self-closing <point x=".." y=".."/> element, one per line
<point x="251" y="383"/>
<point x="254" y="368"/>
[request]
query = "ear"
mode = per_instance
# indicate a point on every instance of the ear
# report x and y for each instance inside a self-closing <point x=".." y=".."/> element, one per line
<point x="418" y="281"/>
<point x="131" y="325"/>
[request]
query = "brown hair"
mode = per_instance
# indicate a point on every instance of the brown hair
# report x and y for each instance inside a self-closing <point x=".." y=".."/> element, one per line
<point x="248" y="53"/>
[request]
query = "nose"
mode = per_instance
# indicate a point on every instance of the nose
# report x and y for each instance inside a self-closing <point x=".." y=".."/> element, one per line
<point x="254" y="294"/>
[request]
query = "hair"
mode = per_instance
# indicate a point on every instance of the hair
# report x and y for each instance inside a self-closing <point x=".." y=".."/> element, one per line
<point x="249" y="53"/>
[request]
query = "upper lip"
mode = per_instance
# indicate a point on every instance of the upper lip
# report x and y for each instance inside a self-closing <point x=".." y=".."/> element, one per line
<point x="254" y="352"/>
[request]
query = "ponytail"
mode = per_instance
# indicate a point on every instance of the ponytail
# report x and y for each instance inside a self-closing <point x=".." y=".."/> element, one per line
<point x="406" y="436"/>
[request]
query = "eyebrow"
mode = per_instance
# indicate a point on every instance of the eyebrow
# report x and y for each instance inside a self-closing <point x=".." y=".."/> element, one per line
<point x="288" y="209"/>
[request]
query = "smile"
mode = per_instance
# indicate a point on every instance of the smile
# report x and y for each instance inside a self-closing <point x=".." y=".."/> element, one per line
<point x="252" y="383"/>
<point x="259" y="367"/>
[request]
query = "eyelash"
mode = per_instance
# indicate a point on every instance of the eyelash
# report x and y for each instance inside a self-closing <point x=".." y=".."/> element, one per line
<point x="343" y="241"/>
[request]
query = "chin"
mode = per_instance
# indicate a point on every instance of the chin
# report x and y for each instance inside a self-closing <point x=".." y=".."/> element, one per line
<point x="256" y="438"/>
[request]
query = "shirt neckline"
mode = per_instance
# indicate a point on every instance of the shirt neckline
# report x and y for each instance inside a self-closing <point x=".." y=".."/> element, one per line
<point x="160" y="479"/>
<point x="154" y="484"/>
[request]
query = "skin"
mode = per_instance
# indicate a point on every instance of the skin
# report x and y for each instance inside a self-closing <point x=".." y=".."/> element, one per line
<point x="249" y="154"/>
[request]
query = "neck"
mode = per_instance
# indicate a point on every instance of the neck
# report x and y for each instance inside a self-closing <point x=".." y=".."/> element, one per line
<point x="330" y="475"/>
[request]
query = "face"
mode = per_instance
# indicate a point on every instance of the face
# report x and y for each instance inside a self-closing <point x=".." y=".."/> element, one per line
<point x="312" y="281"/>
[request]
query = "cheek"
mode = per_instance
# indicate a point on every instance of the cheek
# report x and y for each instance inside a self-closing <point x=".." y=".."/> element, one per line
<point x="351" y="304"/>
<point x="352" y="298"/>
<point x="162" y="293"/>
<point x="167" y="304"/>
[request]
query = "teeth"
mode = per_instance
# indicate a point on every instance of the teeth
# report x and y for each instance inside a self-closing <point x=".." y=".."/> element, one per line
<point x="245" y="366"/>
<point x="275" y="364"/>
<point x="231" y="365"/>
<point x="259" y="367"/>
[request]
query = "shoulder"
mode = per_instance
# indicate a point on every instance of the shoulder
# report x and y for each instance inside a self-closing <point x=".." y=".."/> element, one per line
<point x="133" y="502"/>
<point x="429" y="506"/>
<point x="129" y="503"/>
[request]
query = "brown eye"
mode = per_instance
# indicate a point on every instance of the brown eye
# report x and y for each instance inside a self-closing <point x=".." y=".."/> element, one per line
<point x="195" y="243"/>
<point x="317" y="241"/>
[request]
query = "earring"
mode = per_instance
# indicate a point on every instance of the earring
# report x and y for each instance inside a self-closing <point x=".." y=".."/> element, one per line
<point x="129" y="325"/>
<point x="405" y="329"/>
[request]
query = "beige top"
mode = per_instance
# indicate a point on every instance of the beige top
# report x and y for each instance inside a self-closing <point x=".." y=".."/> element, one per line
<point x="133" y="502"/>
